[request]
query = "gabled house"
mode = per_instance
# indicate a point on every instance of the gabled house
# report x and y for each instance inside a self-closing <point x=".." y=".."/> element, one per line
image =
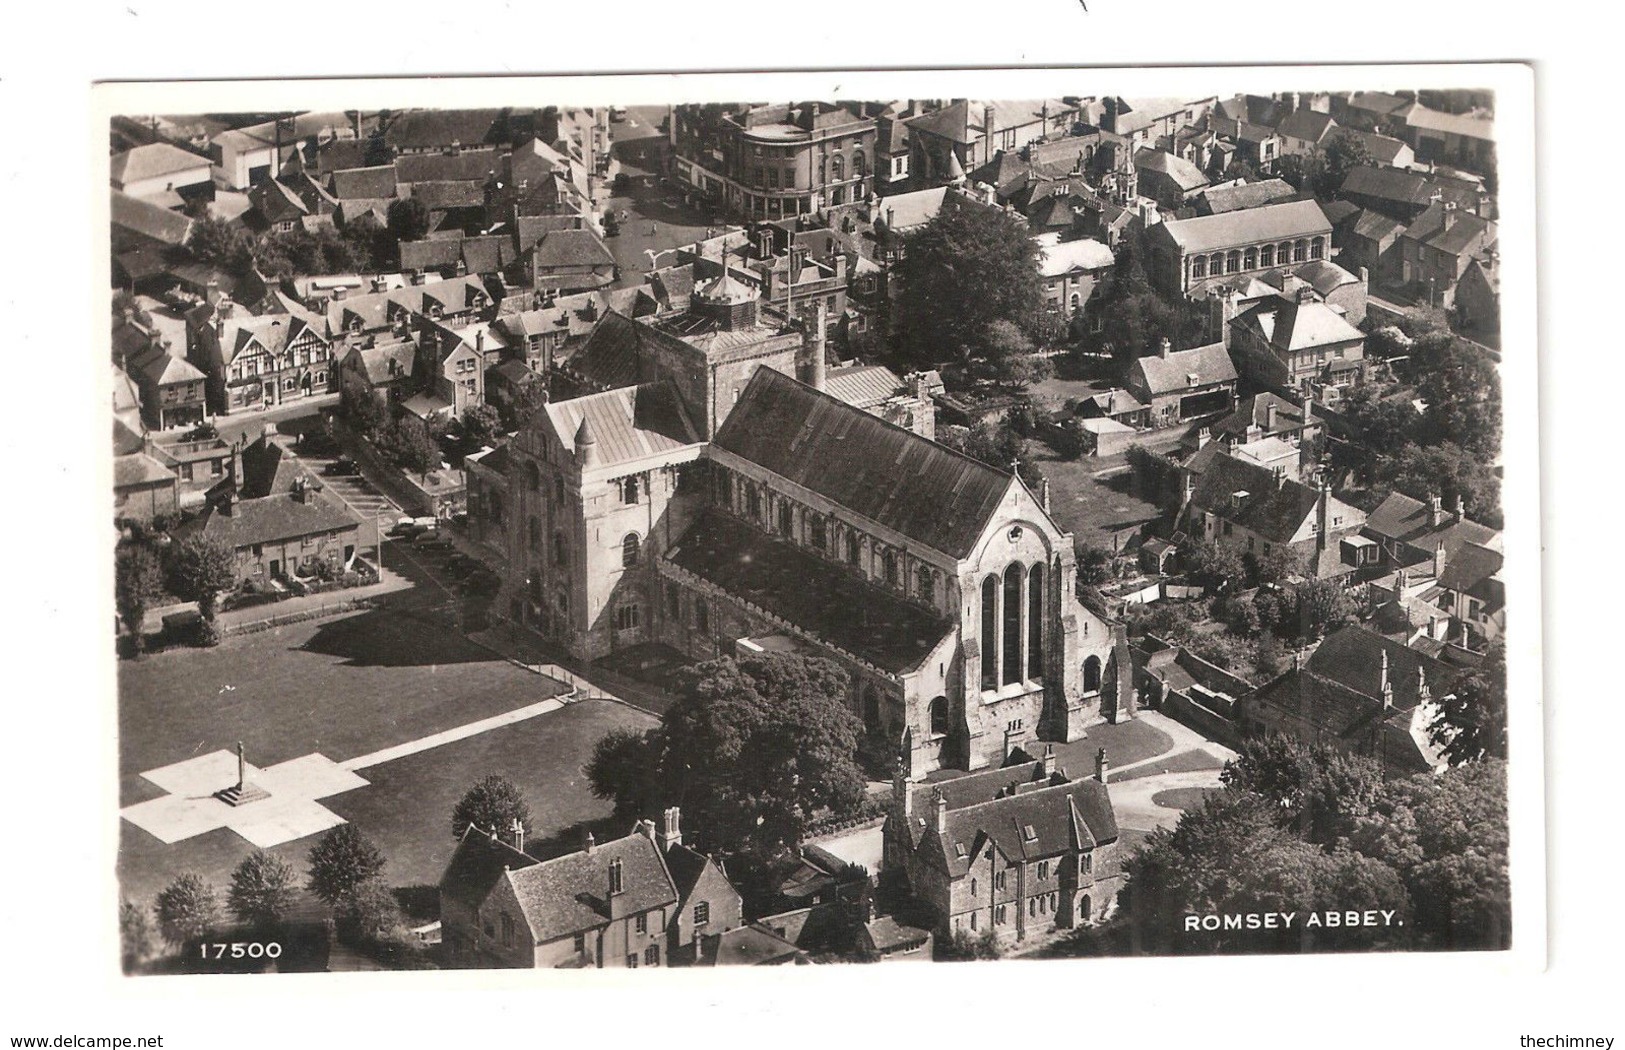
<point x="1412" y="532"/>
<point x="641" y="900"/>
<point x="1435" y="249"/>
<point x="1071" y="270"/>
<point x="1255" y="509"/>
<point x="1361" y="693"/>
<point x="570" y="261"/>
<point x="172" y="390"/>
<point x="1017" y="851"/>
<point x="1478" y="297"/>
<point x="162" y="173"/>
<point x="143" y="485"/>
<point x="1181" y="385"/>
<point x="385" y="369"/>
<point x="1168" y="179"/>
<point x="1303" y="131"/>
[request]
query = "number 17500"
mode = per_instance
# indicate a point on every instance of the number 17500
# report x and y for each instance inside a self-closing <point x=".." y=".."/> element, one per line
<point x="240" y="950"/>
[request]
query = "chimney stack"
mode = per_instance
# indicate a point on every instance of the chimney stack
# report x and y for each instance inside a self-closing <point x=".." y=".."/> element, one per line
<point x="671" y="833"/>
<point x="1383" y="685"/>
<point x="646" y="828"/>
<point x="591" y="843"/>
<point x="1269" y="418"/>
<point x="1165" y="348"/>
<point x="902" y="793"/>
<point x="1048" y="762"/>
<point x="1438" y="560"/>
<point x="942" y="813"/>
<point x="1435" y="512"/>
<point x="516" y="828"/>
<point x="1102" y="766"/>
<point x="817" y="364"/>
<point x="1322" y="513"/>
<point x="1460" y="512"/>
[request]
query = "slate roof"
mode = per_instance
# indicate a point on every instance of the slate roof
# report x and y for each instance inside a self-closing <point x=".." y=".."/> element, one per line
<point x="139" y="468"/>
<point x="1184" y="174"/>
<point x="1325" y="277"/>
<point x="479" y="862"/>
<point x="904" y="211"/>
<point x="1471" y="564"/>
<point x="1389" y="184"/>
<point x="614" y="353"/>
<point x="831" y="603"/>
<point x="1164" y="375"/>
<point x="571" y="248"/>
<point x="152" y="161"/>
<point x="886" y="934"/>
<point x="440" y="196"/>
<point x="1272" y="222"/>
<point x="1375" y="226"/>
<point x="274" y="518"/>
<point x="1467" y="125"/>
<point x="748" y="946"/>
<point x="1383" y="148"/>
<point x="1223" y="199"/>
<point x="628" y="423"/>
<point x="891" y="476"/>
<point x="149" y="220"/>
<point x="374" y="183"/>
<point x="1274" y="509"/>
<point x="375" y="361"/>
<point x="1378" y="102"/>
<point x="1288" y="415"/>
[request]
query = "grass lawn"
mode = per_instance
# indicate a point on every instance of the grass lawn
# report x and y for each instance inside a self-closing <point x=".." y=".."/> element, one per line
<point x="1182" y="798"/>
<point x="342" y="687"/>
<point x="406" y="807"/>
<point x="1184" y="762"/>
<point x="1093" y="509"/>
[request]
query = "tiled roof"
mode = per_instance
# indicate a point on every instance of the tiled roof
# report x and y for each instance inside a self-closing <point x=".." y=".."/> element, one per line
<point x="149" y="220"/>
<point x="1375" y="226"/>
<point x="628" y="423"/>
<point x="1306" y="124"/>
<point x="376" y="361"/>
<point x="1184" y="174"/>
<point x="479" y="862"/>
<point x="445" y="167"/>
<point x="1451" y="230"/>
<point x="436" y="128"/>
<point x="152" y="161"/>
<point x="1467" y="125"/>
<point x="832" y="603"/>
<point x="1404" y="519"/>
<point x="1471" y="564"/>
<point x="1378" y="102"/>
<point x="1325" y="277"/>
<point x="1247" y="195"/>
<point x="1274" y="508"/>
<point x="1268" y="223"/>
<point x="1209" y="364"/>
<point x="438" y="196"/>
<point x="1352" y="657"/>
<point x="139" y="468"/>
<point x="1383" y="148"/>
<point x="363" y="183"/>
<point x="1030" y="825"/>
<point x="1389" y="184"/>
<point x="895" y="478"/>
<point x="903" y="211"/>
<point x="887" y="934"/>
<point x="614" y="353"/>
<point x="275" y="518"/>
<point x="1290" y="325"/>
<point x="748" y="946"/>
<point x="1255" y="410"/>
<point x="570" y="894"/>
<point x="571" y="248"/>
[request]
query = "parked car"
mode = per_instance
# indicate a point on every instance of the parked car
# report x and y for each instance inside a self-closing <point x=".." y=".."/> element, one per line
<point x="343" y="467"/>
<point x="404" y="527"/>
<point x="432" y="541"/>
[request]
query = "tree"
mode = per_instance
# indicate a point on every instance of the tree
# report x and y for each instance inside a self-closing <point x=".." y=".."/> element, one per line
<point x="1302" y="171"/>
<point x="1276" y="565"/>
<point x="187" y="909"/>
<point x="138" y="579"/>
<point x="1212" y="564"/>
<point x="407" y="219"/>
<point x="1314" y="790"/>
<point x="262" y="890"/>
<point x="965" y="269"/>
<point x="360" y="409"/>
<point x="1342" y="153"/>
<point x="1471" y="724"/>
<point x="1240" y="169"/>
<point x="1445" y="470"/>
<point x="198" y="569"/>
<point x="1320" y="606"/>
<point x="482" y="425"/>
<point x="998" y="445"/>
<point x="1447" y="837"/>
<point x="753" y="750"/>
<point x="409" y="445"/>
<point x="492" y="805"/>
<point x="137" y="940"/>
<point x="1094" y="564"/>
<point x="1461" y="387"/>
<point x="625" y="768"/>
<point x="340" y="862"/>
<point x="1134" y="318"/>
<point x="126" y="303"/>
<point x="222" y="243"/>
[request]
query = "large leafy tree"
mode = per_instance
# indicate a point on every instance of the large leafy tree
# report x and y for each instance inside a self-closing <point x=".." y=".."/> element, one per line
<point x="1321" y="606"/>
<point x="1134" y="317"/>
<point x="221" y="242"/>
<point x="998" y="444"/>
<point x="753" y="751"/>
<point x="1341" y="154"/>
<point x="187" y="909"/>
<point x="1314" y="790"/>
<point x="964" y="270"/>
<point x="263" y="889"/>
<point x="492" y="805"/>
<point x="1471" y="724"/>
<point x="1214" y="565"/>
<point x="340" y="863"/>
<point x="1447" y="837"/>
<point x="138" y="579"/>
<point x="408" y="219"/>
<point x="198" y="569"/>
<point x="137" y="940"/>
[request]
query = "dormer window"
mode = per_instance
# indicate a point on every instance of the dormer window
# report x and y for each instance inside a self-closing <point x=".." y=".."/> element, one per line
<point x="960" y="851"/>
<point x="1028" y="833"/>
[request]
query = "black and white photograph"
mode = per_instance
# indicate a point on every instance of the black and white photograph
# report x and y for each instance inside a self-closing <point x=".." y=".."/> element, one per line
<point x="812" y="531"/>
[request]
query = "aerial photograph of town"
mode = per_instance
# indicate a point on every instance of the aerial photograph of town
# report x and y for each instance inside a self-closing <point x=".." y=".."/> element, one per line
<point x="809" y="531"/>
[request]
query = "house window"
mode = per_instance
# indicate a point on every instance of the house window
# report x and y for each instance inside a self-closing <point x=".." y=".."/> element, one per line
<point x="998" y="915"/>
<point x="815" y="531"/>
<point x="702" y="913"/>
<point x="786" y="518"/>
<point x="507" y="930"/>
<point x="629" y="550"/>
<point x="186" y="472"/>
<point x="973" y="920"/>
<point x="1043" y="870"/>
<point x="1316" y="248"/>
<point x="627" y="617"/>
<point x="998" y="881"/>
<point x="641" y="923"/>
<point x="1266" y="255"/>
<point x="1199" y="266"/>
<point x="632" y="961"/>
<point x="651" y="955"/>
<point x="702" y="617"/>
<point x="1086" y="863"/>
<point x="630" y="490"/>
<point x="973" y="881"/>
<point x="581" y="943"/>
<point x="1032" y="907"/>
<point x="1232" y="262"/>
<point x="1299" y="250"/>
<point x="1251" y="259"/>
<point x="939" y="715"/>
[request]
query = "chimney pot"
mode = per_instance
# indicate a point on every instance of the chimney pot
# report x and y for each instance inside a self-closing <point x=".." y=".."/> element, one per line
<point x="1102" y="766"/>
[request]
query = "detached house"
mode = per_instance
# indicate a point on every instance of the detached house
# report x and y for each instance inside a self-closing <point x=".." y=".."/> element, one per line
<point x="1017" y="851"/>
<point x="1291" y="341"/>
<point x="1435" y="250"/>
<point x="1180" y="385"/>
<point x="641" y="900"/>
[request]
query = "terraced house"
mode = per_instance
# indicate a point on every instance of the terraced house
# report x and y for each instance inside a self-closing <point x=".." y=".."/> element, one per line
<point x="258" y="361"/>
